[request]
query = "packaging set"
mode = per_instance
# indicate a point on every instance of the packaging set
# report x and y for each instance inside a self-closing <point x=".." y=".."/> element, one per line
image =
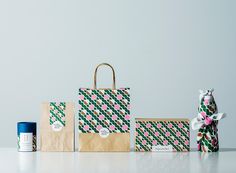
<point x="104" y="124"/>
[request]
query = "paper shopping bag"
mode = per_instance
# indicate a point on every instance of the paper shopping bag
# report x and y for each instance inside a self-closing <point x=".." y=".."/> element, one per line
<point x="104" y="117"/>
<point x="57" y="126"/>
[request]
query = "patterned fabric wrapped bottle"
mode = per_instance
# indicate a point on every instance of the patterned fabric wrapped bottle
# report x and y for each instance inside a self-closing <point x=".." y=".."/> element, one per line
<point x="206" y="122"/>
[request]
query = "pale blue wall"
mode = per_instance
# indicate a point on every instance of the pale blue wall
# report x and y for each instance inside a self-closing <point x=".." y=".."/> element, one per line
<point x="163" y="50"/>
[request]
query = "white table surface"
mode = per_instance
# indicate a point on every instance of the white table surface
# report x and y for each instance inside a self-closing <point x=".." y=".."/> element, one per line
<point x="12" y="161"/>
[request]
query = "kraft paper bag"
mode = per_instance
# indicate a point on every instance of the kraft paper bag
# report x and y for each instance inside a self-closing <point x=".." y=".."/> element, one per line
<point x="57" y="126"/>
<point x="104" y="118"/>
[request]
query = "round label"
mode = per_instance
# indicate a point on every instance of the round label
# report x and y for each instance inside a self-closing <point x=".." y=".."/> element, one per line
<point x="104" y="132"/>
<point x="57" y="126"/>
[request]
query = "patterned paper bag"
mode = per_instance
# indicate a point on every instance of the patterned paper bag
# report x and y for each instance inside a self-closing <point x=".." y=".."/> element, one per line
<point x="104" y="118"/>
<point x="153" y="134"/>
<point x="57" y="126"/>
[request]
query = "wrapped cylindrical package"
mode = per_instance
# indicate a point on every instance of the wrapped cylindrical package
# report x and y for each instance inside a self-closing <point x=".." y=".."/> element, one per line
<point x="206" y="122"/>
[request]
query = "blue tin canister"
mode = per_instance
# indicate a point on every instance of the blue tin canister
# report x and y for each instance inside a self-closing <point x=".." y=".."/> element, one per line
<point x="27" y="136"/>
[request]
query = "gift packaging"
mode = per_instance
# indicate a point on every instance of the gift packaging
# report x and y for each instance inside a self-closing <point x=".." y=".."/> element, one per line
<point x="27" y="136"/>
<point x="154" y="134"/>
<point x="57" y="126"/>
<point x="104" y="117"/>
<point x="206" y="122"/>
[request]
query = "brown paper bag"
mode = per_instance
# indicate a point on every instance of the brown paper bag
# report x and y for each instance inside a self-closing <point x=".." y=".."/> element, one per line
<point x="57" y="126"/>
<point x="104" y="117"/>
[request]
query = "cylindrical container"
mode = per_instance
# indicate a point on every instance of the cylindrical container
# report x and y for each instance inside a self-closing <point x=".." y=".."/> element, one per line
<point x="26" y="133"/>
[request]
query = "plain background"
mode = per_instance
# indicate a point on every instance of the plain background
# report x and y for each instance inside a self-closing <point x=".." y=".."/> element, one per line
<point x="165" y="51"/>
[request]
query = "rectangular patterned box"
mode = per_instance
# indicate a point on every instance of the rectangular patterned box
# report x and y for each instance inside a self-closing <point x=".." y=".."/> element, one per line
<point x="154" y="134"/>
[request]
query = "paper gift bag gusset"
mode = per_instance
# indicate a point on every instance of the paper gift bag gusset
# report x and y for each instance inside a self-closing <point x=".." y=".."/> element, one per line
<point x="153" y="134"/>
<point x="57" y="126"/>
<point x="104" y="118"/>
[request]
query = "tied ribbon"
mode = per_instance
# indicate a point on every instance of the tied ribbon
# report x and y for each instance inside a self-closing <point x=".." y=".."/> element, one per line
<point x="198" y="122"/>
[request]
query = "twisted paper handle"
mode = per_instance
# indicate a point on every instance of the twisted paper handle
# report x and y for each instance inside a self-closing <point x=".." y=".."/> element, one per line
<point x="113" y="75"/>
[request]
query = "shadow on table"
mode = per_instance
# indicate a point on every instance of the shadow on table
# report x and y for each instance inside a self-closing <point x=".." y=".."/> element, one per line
<point x="227" y="149"/>
<point x="162" y="162"/>
<point x="220" y="150"/>
<point x="207" y="162"/>
<point x="27" y="162"/>
<point x="104" y="162"/>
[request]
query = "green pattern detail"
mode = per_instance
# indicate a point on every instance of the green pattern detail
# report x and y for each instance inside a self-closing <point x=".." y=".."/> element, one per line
<point x="57" y="112"/>
<point x="141" y="136"/>
<point x="112" y="108"/>
<point x="179" y="139"/>
<point x="149" y="134"/>
<point x="92" y="127"/>
<point x="138" y="147"/>
<point x="117" y="101"/>
<point x="170" y="141"/>
<point x="103" y="123"/>
<point x="104" y="109"/>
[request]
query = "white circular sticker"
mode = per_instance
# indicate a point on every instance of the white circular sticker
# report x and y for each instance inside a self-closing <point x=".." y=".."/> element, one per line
<point x="104" y="132"/>
<point x="57" y="126"/>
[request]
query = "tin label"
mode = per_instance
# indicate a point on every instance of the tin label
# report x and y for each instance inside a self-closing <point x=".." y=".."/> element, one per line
<point x="26" y="142"/>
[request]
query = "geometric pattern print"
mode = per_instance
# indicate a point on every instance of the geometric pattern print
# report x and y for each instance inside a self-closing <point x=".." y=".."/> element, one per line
<point x="57" y="112"/>
<point x="153" y="133"/>
<point x="104" y="108"/>
<point x="207" y="108"/>
<point x="207" y="137"/>
<point x="34" y="143"/>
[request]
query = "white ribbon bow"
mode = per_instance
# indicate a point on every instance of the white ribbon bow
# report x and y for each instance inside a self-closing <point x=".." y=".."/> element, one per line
<point x="197" y="122"/>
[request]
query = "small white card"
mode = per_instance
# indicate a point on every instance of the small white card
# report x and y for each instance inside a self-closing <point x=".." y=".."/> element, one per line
<point x="162" y="148"/>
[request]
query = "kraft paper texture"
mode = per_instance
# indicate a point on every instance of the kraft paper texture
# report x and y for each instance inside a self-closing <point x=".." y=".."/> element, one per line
<point x="62" y="140"/>
<point x="114" y="142"/>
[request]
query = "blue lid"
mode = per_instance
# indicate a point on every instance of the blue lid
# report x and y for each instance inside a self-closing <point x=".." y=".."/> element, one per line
<point x="26" y="127"/>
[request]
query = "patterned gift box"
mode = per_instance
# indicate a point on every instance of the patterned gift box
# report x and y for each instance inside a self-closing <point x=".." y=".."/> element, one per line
<point x="153" y="134"/>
